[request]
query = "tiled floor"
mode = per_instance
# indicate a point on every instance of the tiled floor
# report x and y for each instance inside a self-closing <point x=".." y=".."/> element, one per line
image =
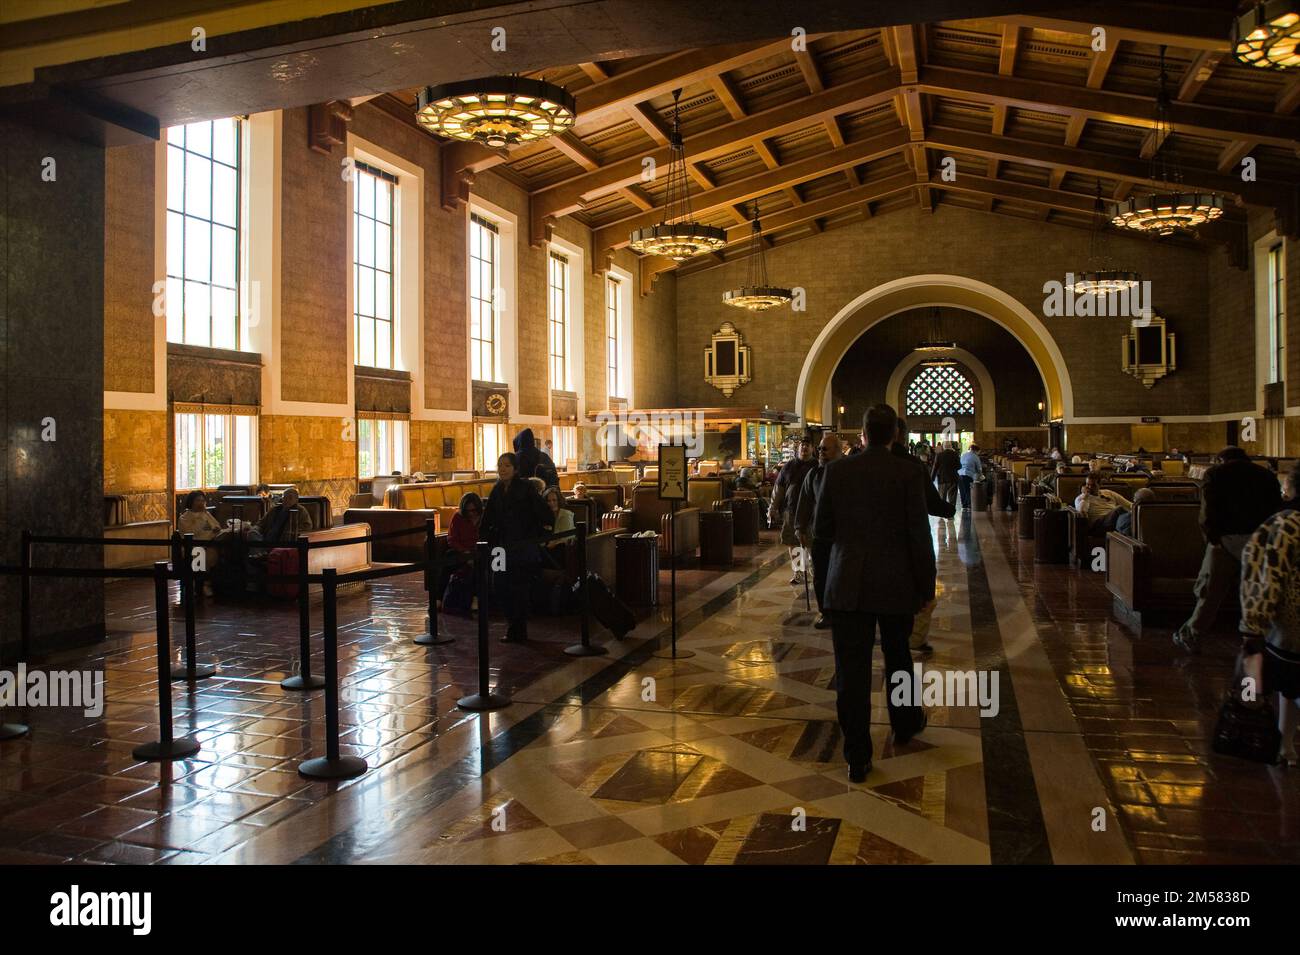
<point x="1097" y="754"/>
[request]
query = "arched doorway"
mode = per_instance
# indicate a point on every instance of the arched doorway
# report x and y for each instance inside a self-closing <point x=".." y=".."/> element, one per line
<point x="813" y="397"/>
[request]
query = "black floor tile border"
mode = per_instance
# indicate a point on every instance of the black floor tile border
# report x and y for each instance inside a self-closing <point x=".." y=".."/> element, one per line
<point x="1017" y="831"/>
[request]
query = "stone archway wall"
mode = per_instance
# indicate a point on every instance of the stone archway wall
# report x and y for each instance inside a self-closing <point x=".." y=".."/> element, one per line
<point x="813" y="399"/>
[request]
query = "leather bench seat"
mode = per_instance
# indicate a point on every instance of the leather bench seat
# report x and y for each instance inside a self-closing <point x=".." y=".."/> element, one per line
<point x="1152" y="572"/>
<point x="385" y="520"/>
<point x="119" y="557"/>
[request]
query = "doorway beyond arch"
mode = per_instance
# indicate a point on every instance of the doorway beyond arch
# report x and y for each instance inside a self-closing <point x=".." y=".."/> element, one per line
<point x="813" y="397"/>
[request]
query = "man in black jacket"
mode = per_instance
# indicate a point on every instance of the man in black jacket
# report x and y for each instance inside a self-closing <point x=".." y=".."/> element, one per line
<point x="934" y="504"/>
<point x="827" y="451"/>
<point x="785" y="501"/>
<point x="1236" y="497"/>
<point x="881" y="572"/>
<point x="944" y="472"/>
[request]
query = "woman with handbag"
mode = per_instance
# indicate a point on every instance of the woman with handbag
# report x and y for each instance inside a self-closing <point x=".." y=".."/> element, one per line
<point x="1270" y="616"/>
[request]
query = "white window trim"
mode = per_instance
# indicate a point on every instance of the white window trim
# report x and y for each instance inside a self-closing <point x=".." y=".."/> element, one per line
<point x="507" y="314"/>
<point x="1263" y="295"/>
<point x="408" y="256"/>
<point x="576" y="344"/>
<point x="254" y="448"/>
<point x="625" y="335"/>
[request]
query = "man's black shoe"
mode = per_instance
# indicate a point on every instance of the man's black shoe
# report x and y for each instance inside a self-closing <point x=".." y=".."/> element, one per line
<point x="822" y="623"/>
<point x="858" y="774"/>
<point x="901" y="739"/>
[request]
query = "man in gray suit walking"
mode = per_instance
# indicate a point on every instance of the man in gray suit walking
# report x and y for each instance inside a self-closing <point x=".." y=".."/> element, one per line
<point x="882" y="571"/>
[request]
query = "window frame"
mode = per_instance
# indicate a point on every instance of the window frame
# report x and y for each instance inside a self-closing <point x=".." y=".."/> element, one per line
<point x="481" y="461"/>
<point x="1277" y="312"/>
<point x="478" y="344"/>
<point x="239" y="169"/>
<point x="947" y="372"/>
<point x="231" y="464"/>
<point x="558" y="301"/>
<point x="397" y="450"/>
<point x="613" y="341"/>
<point x="374" y="172"/>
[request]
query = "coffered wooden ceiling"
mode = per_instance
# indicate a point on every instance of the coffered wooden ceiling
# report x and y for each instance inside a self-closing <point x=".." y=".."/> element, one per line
<point x="859" y="124"/>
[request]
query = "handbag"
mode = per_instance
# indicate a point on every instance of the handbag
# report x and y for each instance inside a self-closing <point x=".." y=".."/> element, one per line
<point x="1247" y="730"/>
<point x="459" y="595"/>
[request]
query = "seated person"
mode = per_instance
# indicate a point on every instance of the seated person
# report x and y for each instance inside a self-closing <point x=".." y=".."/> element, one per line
<point x="561" y="516"/>
<point x="1045" y="483"/>
<point x="285" y="521"/>
<point x="1101" y="509"/>
<point x="457" y="582"/>
<point x="580" y="491"/>
<point x="196" y="520"/>
<point x="1124" y="523"/>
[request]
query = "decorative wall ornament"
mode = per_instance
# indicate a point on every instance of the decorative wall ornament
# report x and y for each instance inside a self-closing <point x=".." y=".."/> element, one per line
<point x="491" y="400"/>
<point x="1148" y="352"/>
<point x="726" y="360"/>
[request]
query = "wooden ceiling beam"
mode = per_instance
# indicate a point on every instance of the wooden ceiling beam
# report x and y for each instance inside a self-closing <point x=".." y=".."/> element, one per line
<point x="1091" y="163"/>
<point x="566" y="197"/>
<point x="833" y="132"/>
<point x="577" y="150"/>
<point x="614" y="235"/>
<point x="1218" y="122"/>
<point x="1233" y="153"/>
<point x="1200" y="29"/>
<point x="1152" y="141"/>
<point x="1099" y="65"/>
<point x="595" y="72"/>
<point x="1288" y="99"/>
<point x="765" y="153"/>
<point x="637" y="197"/>
<point x="1198" y="73"/>
<point x="726" y="93"/>
<point x="907" y="46"/>
<point x="1008" y="49"/>
<point x="808" y="67"/>
<point x="649" y="122"/>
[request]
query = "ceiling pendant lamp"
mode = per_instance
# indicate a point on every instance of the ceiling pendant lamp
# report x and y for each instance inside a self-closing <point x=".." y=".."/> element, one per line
<point x="934" y="343"/>
<point x="496" y="112"/>
<point x="1099" y="278"/>
<point x="1266" y="35"/>
<point x="678" y="235"/>
<point x="1171" y="208"/>
<point x="756" y="294"/>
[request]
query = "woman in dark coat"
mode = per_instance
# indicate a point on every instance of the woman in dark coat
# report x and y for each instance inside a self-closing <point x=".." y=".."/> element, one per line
<point x="514" y="517"/>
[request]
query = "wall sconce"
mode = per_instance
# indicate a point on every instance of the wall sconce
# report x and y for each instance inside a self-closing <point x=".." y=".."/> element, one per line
<point x="1149" y="351"/>
<point x="841" y="424"/>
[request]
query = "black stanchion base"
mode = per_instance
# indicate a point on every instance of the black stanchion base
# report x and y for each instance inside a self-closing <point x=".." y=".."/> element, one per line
<point x="13" y="730"/>
<point x="201" y="671"/>
<point x="298" y="683"/>
<point x="579" y="650"/>
<point x="322" y="767"/>
<point x="667" y="653"/>
<point x="431" y="640"/>
<point x="477" y="702"/>
<point x="164" y="750"/>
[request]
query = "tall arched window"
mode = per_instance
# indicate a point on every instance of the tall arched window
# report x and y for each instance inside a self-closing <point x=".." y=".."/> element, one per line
<point x="940" y="390"/>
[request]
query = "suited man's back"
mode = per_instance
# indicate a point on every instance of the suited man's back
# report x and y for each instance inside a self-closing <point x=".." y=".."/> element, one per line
<point x="872" y="506"/>
<point x="946" y="463"/>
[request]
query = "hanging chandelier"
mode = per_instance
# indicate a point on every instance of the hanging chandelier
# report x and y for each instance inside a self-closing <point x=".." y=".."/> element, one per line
<point x="934" y="343"/>
<point x="756" y="294"/>
<point x="1266" y="35"/>
<point x="1099" y="278"/>
<point x="1171" y="208"/>
<point x="497" y="111"/>
<point x="678" y="235"/>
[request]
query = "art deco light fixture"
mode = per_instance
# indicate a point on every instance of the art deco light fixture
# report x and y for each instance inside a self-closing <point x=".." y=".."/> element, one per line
<point x="1171" y="208"/>
<point x="497" y="111"/>
<point x="678" y="235"/>
<point x="1099" y="278"/>
<point x="756" y="294"/>
<point x="1266" y="35"/>
<point x="934" y="343"/>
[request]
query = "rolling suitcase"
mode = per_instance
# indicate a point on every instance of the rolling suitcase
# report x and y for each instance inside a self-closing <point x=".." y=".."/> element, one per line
<point x="282" y="560"/>
<point x="610" y="612"/>
<point x="979" y="495"/>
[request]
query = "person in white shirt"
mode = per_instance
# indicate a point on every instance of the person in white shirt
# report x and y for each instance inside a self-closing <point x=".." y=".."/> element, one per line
<point x="971" y="470"/>
<point x="1100" y="508"/>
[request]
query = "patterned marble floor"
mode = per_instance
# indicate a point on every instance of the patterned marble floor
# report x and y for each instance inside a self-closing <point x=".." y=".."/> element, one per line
<point x="1096" y="754"/>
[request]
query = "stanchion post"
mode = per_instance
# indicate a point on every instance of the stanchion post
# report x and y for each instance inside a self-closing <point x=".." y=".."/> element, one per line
<point x="184" y="563"/>
<point x="584" y="649"/>
<point x="672" y="653"/>
<point x="15" y="730"/>
<point x="484" y="699"/>
<point x="432" y="575"/>
<point x="304" y="680"/>
<point x="25" y="598"/>
<point x="332" y="765"/>
<point x="166" y="748"/>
